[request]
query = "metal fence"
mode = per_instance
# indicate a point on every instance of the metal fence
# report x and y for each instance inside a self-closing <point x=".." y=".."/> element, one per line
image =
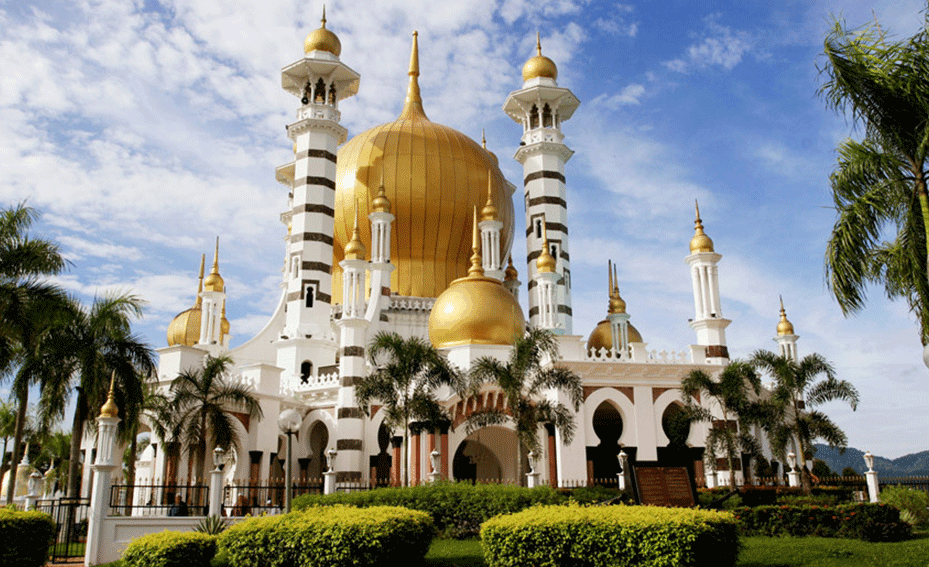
<point x="917" y="482"/>
<point x="70" y="517"/>
<point x="159" y="499"/>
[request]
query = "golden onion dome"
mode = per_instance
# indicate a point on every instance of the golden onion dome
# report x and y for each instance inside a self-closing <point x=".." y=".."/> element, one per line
<point x="214" y="281"/>
<point x="475" y="310"/>
<point x="510" y="274"/>
<point x="700" y="242"/>
<point x="602" y="337"/>
<point x="433" y="176"/>
<point x="110" y="409"/>
<point x="489" y="212"/>
<point x="322" y="40"/>
<point x="381" y="204"/>
<point x="784" y="327"/>
<point x="545" y="262"/>
<point x="185" y="327"/>
<point x="355" y="249"/>
<point x="539" y="65"/>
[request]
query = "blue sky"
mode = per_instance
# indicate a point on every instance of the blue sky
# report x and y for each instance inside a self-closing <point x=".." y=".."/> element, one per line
<point x="142" y="130"/>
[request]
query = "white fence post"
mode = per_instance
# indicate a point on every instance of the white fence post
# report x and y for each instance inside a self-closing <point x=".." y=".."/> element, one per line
<point x="103" y="468"/>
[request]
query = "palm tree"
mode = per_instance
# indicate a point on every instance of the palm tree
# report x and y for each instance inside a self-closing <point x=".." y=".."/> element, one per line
<point x="407" y="373"/>
<point x="95" y="346"/>
<point x="796" y="392"/>
<point x="7" y="428"/>
<point x="524" y="380"/>
<point x="735" y="391"/>
<point x="203" y="399"/>
<point x="880" y="181"/>
<point x="29" y="307"/>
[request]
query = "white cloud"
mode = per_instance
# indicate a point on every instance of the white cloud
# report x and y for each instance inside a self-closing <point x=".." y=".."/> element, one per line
<point x="719" y="46"/>
<point x="628" y="95"/>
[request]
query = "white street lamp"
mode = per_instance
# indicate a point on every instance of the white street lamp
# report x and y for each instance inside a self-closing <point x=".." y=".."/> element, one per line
<point x="869" y="460"/>
<point x="792" y="461"/>
<point x="289" y="423"/>
<point x="219" y="459"/>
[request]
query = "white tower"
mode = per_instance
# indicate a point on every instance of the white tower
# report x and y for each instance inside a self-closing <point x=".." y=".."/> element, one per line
<point x="546" y="280"/>
<point x="786" y="339"/>
<point x="617" y="316"/>
<point x="319" y="80"/>
<point x="213" y="307"/>
<point x="708" y="322"/>
<point x="490" y="228"/>
<point x="541" y="106"/>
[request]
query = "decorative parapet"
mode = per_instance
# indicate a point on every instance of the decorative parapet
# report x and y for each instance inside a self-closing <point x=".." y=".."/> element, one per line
<point x="639" y="355"/>
<point x="404" y="303"/>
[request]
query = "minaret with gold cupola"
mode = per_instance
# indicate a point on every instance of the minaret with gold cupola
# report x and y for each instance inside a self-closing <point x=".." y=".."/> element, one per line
<point x="546" y="284"/>
<point x="212" y="306"/>
<point x="490" y="228"/>
<point x="708" y="322"/>
<point x="786" y="339"/>
<point x="540" y="106"/>
<point x="319" y="81"/>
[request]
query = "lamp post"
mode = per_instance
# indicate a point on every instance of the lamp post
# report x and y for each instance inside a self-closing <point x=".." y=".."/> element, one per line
<point x="793" y="475"/>
<point x="216" y="481"/>
<point x="871" y="477"/>
<point x="289" y="423"/>
<point x="622" y="457"/>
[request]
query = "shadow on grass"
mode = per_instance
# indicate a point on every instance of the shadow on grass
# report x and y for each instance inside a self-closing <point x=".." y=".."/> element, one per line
<point x="455" y="553"/>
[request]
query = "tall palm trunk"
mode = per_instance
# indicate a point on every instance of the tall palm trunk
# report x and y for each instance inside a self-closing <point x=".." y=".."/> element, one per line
<point x="77" y="434"/>
<point x="130" y="468"/>
<point x="17" y="442"/>
<point x="921" y="193"/>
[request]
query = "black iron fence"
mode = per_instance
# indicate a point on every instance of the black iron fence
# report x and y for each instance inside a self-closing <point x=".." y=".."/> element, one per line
<point x="176" y="499"/>
<point x="70" y="517"/>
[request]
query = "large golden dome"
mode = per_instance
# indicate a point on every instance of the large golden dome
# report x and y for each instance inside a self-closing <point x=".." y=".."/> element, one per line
<point x="185" y="328"/>
<point x="433" y="177"/>
<point x="475" y="310"/>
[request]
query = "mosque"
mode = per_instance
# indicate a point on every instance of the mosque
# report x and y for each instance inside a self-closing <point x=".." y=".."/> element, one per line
<point x="408" y="227"/>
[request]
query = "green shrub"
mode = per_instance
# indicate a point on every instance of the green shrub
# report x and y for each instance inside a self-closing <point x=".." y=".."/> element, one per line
<point x="333" y="536"/>
<point x="556" y="536"/>
<point x="869" y="522"/>
<point x="913" y="504"/>
<point x="25" y="537"/>
<point x="718" y="499"/>
<point x="593" y="494"/>
<point x="804" y="500"/>
<point x="171" y="549"/>
<point x="457" y="509"/>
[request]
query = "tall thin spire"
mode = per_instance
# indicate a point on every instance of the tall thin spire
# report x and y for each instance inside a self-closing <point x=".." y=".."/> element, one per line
<point x="200" y="282"/>
<point x="489" y="212"/>
<point x="545" y="262"/>
<point x="609" y="272"/>
<point x="324" y="17"/>
<point x="700" y="242"/>
<point x="538" y="43"/>
<point x="413" y="107"/>
<point x="215" y="269"/>
<point x="476" y="269"/>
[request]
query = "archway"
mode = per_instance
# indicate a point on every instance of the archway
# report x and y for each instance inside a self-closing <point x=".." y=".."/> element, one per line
<point x="317" y="441"/>
<point x="608" y="425"/>
<point x="487" y="455"/>
<point x="380" y="463"/>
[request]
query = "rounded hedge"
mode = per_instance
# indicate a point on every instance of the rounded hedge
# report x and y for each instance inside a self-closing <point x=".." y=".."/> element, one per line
<point x="171" y="549"/>
<point x="25" y="537"/>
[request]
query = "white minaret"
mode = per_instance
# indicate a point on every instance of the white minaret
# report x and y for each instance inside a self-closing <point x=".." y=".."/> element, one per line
<point x="352" y="367"/>
<point x="319" y="80"/>
<point x="708" y="322"/>
<point x="541" y="106"/>
<point x="490" y="236"/>
<point x="617" y="316"/>
<point x="381" y="219"/>
<point x="786" y="339"/>
<point x="546" y="280"/>
<point x="213" y="306"/>
<point x="511" y="278"/>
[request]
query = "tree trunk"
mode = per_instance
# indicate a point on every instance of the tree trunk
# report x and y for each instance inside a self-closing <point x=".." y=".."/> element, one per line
<point x="77" y="433"/>
<point x="17" y="441"/>
<point x="130" y="469"/>
<point x="924" y="207"/>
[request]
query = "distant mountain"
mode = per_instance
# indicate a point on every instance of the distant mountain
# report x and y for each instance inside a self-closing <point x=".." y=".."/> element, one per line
<point x="916" y="464"/>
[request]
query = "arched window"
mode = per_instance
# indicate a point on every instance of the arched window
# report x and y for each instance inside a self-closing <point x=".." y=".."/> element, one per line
<point x="306" y="370"/>
<point x="332" y="94"/>
<point x="310" y="294"/>
<point x="538" y="228"/>
<point x="534" y="117"/>
<point x="320" y="92"/>
<point x="546" y="116"/>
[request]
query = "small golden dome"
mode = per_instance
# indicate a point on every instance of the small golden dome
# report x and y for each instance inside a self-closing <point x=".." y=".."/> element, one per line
<point x="381" y="204"/>
<point x="475" y="309"/>
<point x="602" y="337"/>
<point x="214" y="281"/>
<point x="355" y="249"/>
<point x="185" y="327"/>
<point x="539" y="65"/>
<point x="489" y="212"/>
<point x="322" y="40"/>
<point x="110" y="409"/>
<point x="545" y="262"/>
<point x="510" y="274"/>
<point x="700" y="242"/>
<point x="617" y="304"/>
<point x="784" y="327"/>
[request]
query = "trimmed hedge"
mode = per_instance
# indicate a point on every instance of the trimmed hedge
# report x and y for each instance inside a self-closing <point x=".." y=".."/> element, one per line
<point x="335" y="536"/>
<point x="869" y="522"/>
<point x="457" y="509"/>
<point x="171" y="549"/>
<point x="912" y="503"/>
<point x="568" y="536"/>
<point x="25" y="537"/>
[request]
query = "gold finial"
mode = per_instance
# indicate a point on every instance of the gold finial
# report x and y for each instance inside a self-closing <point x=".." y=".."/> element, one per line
<point x="413" y="107"/>
<point x="214" y="281"/>
<point x="476" y="270"/>
<point x="538" y="43"/>
<point x="545" y="262"/>
<point x="784" y="327"/>
<point x="323" y="26"/>
<point x="510" y="274"/>
<point x="200" y="281"/>
<point x="489" y="212"/>
<point x="109" y="409"/>
<point x="381" y="204"/>
<point x="617" y="304"/>
<point x="700" y="242"/>
<point x="538" y="65"/>
<point x="483" y="139"/>
<point x="322" y="39"/>
<point x="355" y="249"/>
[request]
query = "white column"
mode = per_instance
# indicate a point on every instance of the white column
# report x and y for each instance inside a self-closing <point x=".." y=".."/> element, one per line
<point x="100" y="495"/>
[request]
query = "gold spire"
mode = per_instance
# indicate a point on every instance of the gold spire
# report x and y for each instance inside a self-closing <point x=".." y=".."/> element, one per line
<point x="109" y="409"/>
<point x="510" y="275"/>
<point x="214" y="281"/>
<point x="545" y="262"/>
<point x="617" y="305"/>
<point x="200" y="282"/>
<point x="539" y="65"/>
<point x="700" y="242"/>
<point x="322" y="39"/>
<point x="413" y="107"/>
<point x="476" y="270"/>
<point x="784" y="327"/>
<point x="355" y="249"/>
<point x="483" y="139"/>
<point x="381" y="204"/>
<point x="489" y="212"/>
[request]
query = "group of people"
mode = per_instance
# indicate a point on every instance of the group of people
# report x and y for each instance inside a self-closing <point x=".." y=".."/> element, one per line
<point x="241" y="508"/>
